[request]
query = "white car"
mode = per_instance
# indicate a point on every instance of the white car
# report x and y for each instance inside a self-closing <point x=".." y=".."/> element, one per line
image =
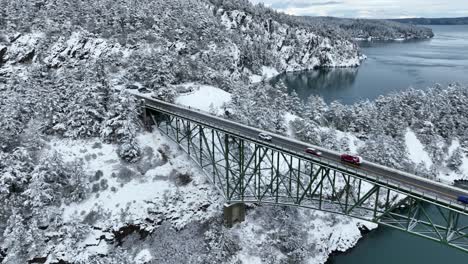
<point x="265" y="136"/>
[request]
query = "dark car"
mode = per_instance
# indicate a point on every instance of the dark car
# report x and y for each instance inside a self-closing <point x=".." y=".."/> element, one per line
<point x="313" y="152"/>
<point x="356" y="160"/>
<point x="463" y="199"/>
<point x="143" y="90"/>
<point x="132" y="87"/>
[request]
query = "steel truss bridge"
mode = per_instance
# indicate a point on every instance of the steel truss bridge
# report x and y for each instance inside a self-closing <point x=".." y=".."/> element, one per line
<point x="247" y="170"/>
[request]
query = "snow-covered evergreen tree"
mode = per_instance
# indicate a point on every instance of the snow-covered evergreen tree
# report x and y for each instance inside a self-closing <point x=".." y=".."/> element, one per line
<point x="455" y="160"/>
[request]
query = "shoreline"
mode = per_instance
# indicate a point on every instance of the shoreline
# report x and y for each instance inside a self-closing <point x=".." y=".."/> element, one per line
<point x="364" y="234"/>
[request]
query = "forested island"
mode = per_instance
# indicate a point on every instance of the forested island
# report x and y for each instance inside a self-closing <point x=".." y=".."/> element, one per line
<point x="373" y="29"/>
<point x="434" y="21"/>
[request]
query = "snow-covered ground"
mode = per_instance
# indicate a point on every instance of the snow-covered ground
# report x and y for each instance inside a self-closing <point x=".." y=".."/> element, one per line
<point x="416" y="151"/>
<point x="204" y="97"/>
<point x="164" y="186"/>
<point x="317" y="232"/>
<point x="143" y="257"/>
<point x="288" y="118"/>
<point x="267" y="73"/>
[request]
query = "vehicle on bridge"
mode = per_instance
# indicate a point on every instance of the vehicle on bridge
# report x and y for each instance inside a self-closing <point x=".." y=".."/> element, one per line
<point x="463" y="199"/>
<point x="356" y="160"/>
<point x="265" y="137"/>
<point x="235" y="179"/>
<point x="313" y="151"/>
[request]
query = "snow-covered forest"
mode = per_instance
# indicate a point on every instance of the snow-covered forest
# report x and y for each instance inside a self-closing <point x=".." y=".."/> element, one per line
<point x="81" y="182"/>
<point x="374" y="29"/>
<point x="382" y="131"/>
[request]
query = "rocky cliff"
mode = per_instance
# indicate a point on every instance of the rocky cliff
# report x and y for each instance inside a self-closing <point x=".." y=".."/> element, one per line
<point x="175" y="42"/>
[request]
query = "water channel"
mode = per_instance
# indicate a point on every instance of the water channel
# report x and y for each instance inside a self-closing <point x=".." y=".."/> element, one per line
<point x="391" y="67"/>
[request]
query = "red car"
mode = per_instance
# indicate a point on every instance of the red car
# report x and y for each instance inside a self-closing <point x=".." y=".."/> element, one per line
<point x="356" y="160"/>
<point x="313" y="152"/>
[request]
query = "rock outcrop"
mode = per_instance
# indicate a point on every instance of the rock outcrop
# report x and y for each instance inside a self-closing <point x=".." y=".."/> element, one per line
<point x="292" y="48"/>
<point x="3" y="50"/>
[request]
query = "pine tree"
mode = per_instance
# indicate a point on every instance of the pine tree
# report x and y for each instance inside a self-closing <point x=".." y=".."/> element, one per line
<point x="455" y="160"/>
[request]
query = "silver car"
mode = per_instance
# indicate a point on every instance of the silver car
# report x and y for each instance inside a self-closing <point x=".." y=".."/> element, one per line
<point x="265" y="137"/>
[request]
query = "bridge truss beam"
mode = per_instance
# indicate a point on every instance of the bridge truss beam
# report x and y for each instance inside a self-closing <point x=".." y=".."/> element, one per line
<point x="248" y="171"/>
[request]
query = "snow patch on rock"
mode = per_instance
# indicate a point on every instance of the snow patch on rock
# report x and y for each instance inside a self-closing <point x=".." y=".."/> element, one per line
<point x="23" y="47"/>
<point x="453" y="146"/>
<point x="324" y="234"/>
<point x="81" y="46"/>
<point x="267" y="73"/>
<point x="143" y="257"/>
<point x="255" y="78"/>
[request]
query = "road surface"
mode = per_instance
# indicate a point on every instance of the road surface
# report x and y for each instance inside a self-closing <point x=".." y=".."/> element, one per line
<point x="444" y="193"/>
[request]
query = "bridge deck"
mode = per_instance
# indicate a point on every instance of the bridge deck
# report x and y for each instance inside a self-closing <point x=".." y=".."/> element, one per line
<point x="437" y="192"/>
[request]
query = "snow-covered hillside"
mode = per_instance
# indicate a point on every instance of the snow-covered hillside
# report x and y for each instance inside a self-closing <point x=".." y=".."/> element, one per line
<point x="132" y="212"/>
<point x="204" y="42"/>
<point x="291" y="48"/>
<point x="80" y="182"/>
<point x="375" y="29"/>
<point x="164" y="187"/>
<point x="421" y="132"/>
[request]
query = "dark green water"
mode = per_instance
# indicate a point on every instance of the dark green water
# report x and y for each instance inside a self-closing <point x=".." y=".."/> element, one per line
<point x="391" y="67"/>
<point x="390" y="246"/>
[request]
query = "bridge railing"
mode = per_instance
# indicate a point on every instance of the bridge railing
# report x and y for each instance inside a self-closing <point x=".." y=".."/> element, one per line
<point x="162" y="106"/>
<point x="447" y="224"/>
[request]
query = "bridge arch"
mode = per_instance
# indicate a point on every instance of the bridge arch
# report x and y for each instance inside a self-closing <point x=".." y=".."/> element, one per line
<point x="247" y="170"/>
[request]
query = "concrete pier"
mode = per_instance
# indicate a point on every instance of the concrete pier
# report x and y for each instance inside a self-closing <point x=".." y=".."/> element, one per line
<point x="233" y="213"/>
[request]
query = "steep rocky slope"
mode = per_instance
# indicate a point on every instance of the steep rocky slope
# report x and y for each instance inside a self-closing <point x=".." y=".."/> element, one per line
<point x="177" y="41"/>
<point x="290" y="48"/>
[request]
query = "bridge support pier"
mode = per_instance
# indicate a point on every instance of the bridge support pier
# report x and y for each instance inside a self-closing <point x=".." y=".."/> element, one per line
<point x="146" y="120"/>
<point x="151" y="119"/>
<point x="146" y="116"/>
<point x="233" y="213"/>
